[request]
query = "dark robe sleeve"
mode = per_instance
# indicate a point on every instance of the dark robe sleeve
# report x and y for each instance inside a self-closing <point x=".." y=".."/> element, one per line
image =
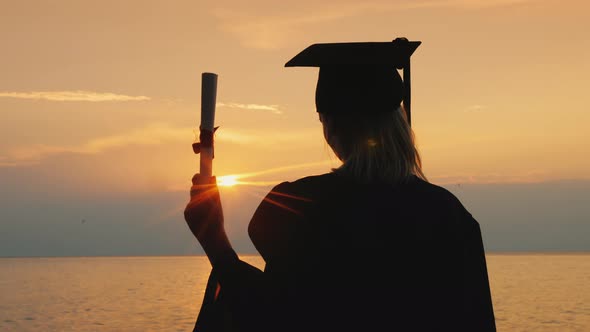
<point x="239" y="296"/>
<point x="477" y="299"/>
<point x="234" y="298"/>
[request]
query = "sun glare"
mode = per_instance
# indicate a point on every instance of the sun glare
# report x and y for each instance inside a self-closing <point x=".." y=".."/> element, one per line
<point x="227" y="180"/>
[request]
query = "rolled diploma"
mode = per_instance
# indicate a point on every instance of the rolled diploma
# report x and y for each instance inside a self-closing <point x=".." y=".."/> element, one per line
<point x="208" y="100"/>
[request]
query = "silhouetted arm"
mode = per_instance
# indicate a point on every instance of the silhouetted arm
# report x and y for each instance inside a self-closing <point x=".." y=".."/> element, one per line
<point x="477" y="299"/>
<point x="204" y="217"/>
<point x="238" y="293"/>
<point x="234" y="287"/>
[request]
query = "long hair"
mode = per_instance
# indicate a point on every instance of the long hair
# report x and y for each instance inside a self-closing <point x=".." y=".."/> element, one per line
<point x="376" y="147"/>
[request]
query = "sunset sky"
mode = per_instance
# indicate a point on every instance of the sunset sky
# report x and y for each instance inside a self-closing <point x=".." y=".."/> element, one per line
<point x="100" y="100"/>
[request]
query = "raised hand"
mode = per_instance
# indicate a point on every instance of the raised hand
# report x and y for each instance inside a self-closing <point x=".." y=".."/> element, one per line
<point x="203" y="213"/>
<point x="204" y="217"/>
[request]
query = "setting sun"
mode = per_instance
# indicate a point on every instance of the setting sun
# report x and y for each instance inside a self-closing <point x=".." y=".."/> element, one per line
<point x="227" y="180"/>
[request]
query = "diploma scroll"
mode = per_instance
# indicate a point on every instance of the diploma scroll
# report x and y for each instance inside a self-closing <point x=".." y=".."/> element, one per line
<point x="208" y="100"/>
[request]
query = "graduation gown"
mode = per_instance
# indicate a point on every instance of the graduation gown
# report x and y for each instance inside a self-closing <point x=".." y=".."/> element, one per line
<point x="344" y="256"/>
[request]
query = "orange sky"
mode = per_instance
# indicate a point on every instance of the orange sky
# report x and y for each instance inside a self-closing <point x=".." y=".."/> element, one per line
<point x="106" y="94"/>
<point x="99" y="101"/>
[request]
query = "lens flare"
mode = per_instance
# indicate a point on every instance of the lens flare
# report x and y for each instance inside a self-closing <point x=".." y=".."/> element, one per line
<point x="227" y="180"/>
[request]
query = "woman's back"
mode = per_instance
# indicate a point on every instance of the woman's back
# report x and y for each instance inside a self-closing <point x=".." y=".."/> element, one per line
<point x="371" y="246"/>
<point x="349" y="256"/>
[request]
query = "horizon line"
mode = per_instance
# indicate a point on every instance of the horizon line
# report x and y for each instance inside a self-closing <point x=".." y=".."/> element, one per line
<point x="490" y="252"/>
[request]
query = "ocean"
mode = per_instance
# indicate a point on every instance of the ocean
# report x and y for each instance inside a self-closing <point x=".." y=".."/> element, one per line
<point x="531" y="292"/>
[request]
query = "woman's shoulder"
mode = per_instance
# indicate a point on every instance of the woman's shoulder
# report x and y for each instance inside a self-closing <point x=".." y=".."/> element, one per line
<point x="308" y="184"/>
<point x="312" y="180"/>
<point x="336" y="181"/>
<point x="418" y="191"/>
<point x="432" y="190"/>
<point x="438" y="200"/>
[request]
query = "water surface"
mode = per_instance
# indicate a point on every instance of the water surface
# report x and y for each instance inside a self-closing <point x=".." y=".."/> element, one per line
<point x="542" y="292"/>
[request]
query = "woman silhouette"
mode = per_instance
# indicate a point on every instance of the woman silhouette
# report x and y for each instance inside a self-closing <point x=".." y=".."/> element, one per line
<point x="370" y="246"/>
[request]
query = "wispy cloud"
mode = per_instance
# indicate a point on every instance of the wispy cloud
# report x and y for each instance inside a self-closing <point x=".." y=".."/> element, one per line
<point x="275" y="31"/>
<point x="530" y="176"/>
<point x="270" y="139"/>
<point x="153" y="134"/>
<point x="268" y="177"/>
<point x="467" y="4"/>
<point x="278" y="30"/>
<point x="475" y="108"/>
<point x="78" y="95"/>
<point x="256" y="107"/>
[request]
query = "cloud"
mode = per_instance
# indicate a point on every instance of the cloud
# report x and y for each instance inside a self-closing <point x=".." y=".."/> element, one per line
<point x="77" y="95"/>
<point x="261" y="178"/>
<point x="476" y="108"/>
<point x="277" y="30"/>
<point x="271" y="139"/>
<point x="467" y="4"/>
<point x="531" y="176"/>
<point x="256" y="107"/>
<point x="153" y="134"/>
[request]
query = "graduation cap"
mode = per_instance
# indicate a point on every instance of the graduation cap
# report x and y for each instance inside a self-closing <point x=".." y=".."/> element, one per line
<point x="360" y="77"/>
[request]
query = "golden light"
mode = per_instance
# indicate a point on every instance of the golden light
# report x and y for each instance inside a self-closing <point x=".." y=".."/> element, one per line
<point x="227" y="180"/>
